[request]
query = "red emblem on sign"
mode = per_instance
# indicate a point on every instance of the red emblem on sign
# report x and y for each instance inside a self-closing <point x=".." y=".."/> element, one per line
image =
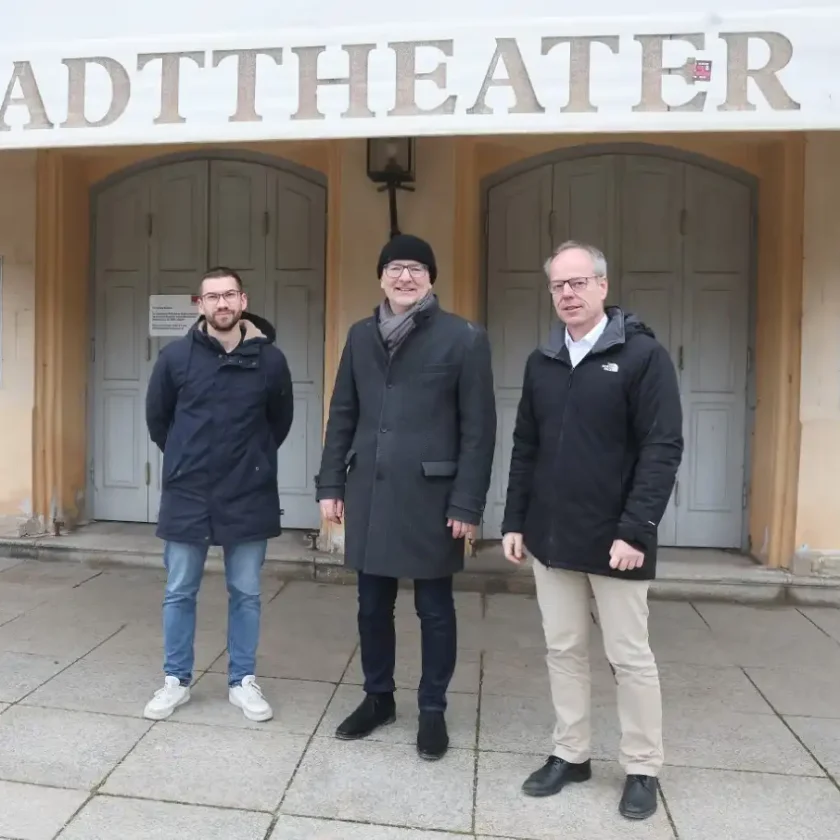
<point x="702" y="71"/>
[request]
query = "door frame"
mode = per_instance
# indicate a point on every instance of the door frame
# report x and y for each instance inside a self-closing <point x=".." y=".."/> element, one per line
<point x="142" y="167"/>
<point x="591" y="150"/>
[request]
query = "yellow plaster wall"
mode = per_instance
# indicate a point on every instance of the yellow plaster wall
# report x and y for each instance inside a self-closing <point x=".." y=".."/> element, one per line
<point x="817" y="521"/>
<point x="17" y="369"/>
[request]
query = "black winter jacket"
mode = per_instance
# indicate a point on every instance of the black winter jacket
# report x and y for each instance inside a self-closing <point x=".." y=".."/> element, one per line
<point x="595" y="449"/>
<point x="219" y="419"/>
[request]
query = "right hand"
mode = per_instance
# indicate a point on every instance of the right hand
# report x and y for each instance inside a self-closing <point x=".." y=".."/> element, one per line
<point x="513" y="548"/>
<point x="332" y="510"/>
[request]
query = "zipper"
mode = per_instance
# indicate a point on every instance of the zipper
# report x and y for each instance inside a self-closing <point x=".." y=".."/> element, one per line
<point x="560" y="438"/>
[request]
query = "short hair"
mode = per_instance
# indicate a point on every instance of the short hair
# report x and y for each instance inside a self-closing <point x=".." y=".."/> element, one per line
<point x="599" y="261"/>
<point x="218" y="272"/>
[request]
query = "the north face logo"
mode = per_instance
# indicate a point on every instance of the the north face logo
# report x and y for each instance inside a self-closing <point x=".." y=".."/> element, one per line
<point x="612" y="367"/>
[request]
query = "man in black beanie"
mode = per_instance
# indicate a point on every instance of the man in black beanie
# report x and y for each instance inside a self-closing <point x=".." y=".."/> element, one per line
<point x="408" y="454"/>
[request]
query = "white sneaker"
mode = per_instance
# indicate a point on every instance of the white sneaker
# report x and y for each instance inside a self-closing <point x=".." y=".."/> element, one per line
<point x="249" y="698"/>
<point x="167" y="699"/>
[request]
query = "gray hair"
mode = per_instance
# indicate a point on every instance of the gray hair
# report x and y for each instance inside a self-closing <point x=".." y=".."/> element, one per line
<point x="599" y="261"/>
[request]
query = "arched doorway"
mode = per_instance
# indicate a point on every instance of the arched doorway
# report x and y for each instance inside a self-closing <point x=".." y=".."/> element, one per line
<point x="678" y="235"/>
<point x="157" y="227"/>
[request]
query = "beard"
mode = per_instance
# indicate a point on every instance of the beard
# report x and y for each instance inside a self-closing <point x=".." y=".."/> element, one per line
<point x="224" y="321"/>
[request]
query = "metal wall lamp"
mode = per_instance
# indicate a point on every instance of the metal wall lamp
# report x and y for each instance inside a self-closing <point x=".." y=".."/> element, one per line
<point x="390" y="163"/>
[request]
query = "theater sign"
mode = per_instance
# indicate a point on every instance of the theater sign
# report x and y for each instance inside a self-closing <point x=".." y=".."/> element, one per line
<point x="704" y="72"/>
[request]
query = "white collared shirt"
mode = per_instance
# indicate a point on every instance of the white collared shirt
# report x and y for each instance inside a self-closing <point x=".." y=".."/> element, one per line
<point x="579" y="349"/>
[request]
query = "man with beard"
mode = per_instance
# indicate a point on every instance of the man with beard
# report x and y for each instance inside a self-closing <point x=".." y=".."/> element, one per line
<point x="408" y="452"/>
<point x="219" y="406"/>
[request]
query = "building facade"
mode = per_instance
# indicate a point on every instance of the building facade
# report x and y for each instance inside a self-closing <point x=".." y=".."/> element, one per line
<point x="701" y="154"/>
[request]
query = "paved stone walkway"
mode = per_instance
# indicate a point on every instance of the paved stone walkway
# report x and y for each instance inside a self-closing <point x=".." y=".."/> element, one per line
<point x="752" y="714"/>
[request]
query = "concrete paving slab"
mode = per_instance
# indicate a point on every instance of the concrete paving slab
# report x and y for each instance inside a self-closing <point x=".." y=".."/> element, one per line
<point x="49" y="573"/>
<point x="809" y="692"/>
<point x="701" y="689"/>
<point x="461" y="717"/>
<point x="109" y="817"/>
<point x="525" y="725"/>
<point x="822" y="737"/>
<point x="679" y="634"/>
<point x="298" y="705"/>
<point x="19" y="598"/>
<point x="37" y="634"/>
<point x="306" y="828"/>
<point x="21" y="673"/>
<point x="383" y="783"/>
<point x="298" y="656"/>
<point x="30" y="812"/>
<point x="579" y="812"/>
<point x="119" y="691"/>
<point x="61" y="748"/>
<point x="826" y="618"/>
<point x="765" y="637"/>
<point x="750" y="806"/>
<point x="409" y="668"/>
<point x="209" y="765"/>
<point x="142" y="645"/>
<point x="8" y="563"/>
<point x="734" y="741"/>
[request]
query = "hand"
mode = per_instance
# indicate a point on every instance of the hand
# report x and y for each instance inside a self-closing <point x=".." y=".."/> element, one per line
<point x="332" y="510"/>
<point x="460" y="529"/>
<point x="624" y="557"/>
<point x="512" y="546"/>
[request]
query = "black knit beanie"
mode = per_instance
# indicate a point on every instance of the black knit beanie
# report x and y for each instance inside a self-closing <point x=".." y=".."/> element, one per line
<point x="408" y="247"/>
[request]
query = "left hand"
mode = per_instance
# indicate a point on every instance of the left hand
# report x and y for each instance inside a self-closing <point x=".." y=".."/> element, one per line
<point x="460" y="529"/>
<point x="624" y="557"/>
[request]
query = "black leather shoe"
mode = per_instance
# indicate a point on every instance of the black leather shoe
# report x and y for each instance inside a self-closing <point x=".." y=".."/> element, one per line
<point x="554" y="775"/>
<point x="432" y="737"/>
<point x="638" y="802"/>
<point x="374" y="711"/>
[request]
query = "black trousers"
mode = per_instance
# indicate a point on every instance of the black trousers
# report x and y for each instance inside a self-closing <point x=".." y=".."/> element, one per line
<point x="436" y="611"/>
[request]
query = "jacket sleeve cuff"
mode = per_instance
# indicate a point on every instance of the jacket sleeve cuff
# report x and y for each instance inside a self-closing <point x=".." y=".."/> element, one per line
<point x="463" y="515"/>
<point x="639" y="538"/>
<point x="335" y="492"/>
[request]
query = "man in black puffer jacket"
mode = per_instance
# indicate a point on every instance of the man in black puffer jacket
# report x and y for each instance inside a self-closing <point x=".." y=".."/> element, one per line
<point x="596" y="449"/>
<point x="219" y="406"/>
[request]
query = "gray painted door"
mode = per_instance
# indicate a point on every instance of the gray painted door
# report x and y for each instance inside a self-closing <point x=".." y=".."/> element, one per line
<point x="677" y="241"/>
<point x="155" y="233"/>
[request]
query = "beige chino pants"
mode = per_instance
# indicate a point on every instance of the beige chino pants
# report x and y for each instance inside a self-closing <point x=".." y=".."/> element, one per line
<point x="623" y="616"/>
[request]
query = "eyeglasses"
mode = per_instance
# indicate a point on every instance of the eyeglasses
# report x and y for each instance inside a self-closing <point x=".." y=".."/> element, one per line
<point x="214" y="297"/>
<point x="395" y="270"/>
<point x="576" y="284"/>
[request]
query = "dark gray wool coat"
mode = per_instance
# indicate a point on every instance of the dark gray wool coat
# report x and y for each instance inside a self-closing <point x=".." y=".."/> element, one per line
<point x="409" y="443"/>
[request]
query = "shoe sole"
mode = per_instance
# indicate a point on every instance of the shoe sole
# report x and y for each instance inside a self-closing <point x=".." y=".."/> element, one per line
<point x="250" y="715"/>
<point x="427" y="756"/>
<point x="164" y="715"/>
<point x="636" y="817"/>
<point x="387" y="722"/>
<point x="542" y="794"/>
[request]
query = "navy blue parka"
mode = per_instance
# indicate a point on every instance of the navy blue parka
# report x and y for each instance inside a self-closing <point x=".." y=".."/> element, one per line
<point x="219" y="419"/>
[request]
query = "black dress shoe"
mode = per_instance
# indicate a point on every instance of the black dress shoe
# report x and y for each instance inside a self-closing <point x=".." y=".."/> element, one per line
<point x="374" y="711"/>
<point x="554" y="775"/>
<point x="638" y="802"/>
<point x="432" y="737"/>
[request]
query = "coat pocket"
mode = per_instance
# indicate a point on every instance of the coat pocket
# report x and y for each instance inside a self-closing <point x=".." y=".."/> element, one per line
<point x="439" y="469"/>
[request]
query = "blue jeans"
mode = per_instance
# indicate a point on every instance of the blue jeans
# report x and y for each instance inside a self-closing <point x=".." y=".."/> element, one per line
<point x="184" y="564"/>
<point x="438" y="634"/>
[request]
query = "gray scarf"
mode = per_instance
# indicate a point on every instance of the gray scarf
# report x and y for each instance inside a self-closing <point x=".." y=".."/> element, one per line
<point x="393" y="328"/>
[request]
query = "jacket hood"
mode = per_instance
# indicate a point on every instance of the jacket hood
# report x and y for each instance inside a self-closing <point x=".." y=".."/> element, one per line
<point x="621" y="326"/>
<point x="254" y="325"/>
